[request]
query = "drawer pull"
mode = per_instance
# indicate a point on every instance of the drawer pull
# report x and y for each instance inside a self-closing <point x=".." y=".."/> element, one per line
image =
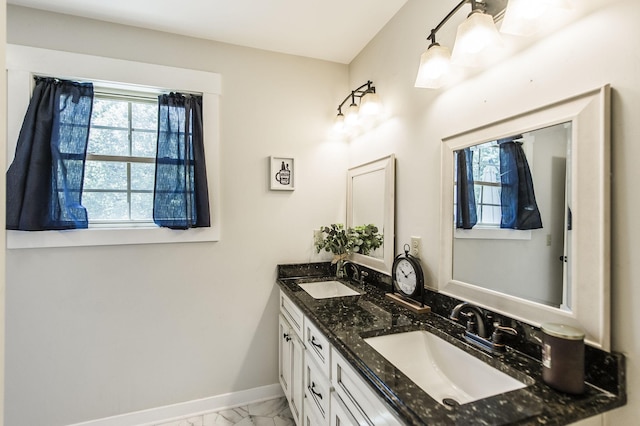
<point x="314" y="343"/>
<point x="313" y="391"/>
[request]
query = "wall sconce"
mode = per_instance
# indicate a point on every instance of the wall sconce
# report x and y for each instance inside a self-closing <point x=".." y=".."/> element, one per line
<point x="368" y="107"/>
<point x="478" y="34"/>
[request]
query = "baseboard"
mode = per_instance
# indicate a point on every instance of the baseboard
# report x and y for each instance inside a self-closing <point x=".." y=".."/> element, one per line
<point x="189" y="408"/>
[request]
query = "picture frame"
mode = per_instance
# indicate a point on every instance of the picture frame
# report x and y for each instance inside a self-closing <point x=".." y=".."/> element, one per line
<point x="281" y="173"/>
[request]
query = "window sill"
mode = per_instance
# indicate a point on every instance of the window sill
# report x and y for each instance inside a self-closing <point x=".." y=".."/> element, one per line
<point x="479" y="233"/>
<point x="108" y="237"/>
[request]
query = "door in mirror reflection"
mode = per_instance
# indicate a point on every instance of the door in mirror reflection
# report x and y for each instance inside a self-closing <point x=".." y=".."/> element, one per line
<point x="496" y="246"/>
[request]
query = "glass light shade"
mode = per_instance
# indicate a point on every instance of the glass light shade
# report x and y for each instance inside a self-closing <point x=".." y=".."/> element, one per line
<point x="475" y="36"/>
<point x="370" y="104"/>
<point x="435" y="63"/>
<point x="338" y="124"/>
<point x="527" y="17"/>
<point x="351" y="116"/>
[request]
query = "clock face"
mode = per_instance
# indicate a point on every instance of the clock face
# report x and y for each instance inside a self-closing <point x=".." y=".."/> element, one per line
<point x="406" y="277"/>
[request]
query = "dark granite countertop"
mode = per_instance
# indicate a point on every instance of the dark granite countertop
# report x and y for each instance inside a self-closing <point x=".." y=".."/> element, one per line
<point x="346" y="321"/>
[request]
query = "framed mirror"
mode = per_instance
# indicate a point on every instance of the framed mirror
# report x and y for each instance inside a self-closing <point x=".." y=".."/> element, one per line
<point x="554" y="267"/>
<point x="371" y="201"/>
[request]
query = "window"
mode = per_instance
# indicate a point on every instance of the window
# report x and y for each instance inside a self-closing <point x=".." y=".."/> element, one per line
<point x="487" y="187"/>
<point x="115" y="77"/>
<point x="120" y="167"/>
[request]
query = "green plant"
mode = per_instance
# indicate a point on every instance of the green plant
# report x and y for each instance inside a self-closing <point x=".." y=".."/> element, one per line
<point x="341" y="242"/>
<point x="366" y="239"/>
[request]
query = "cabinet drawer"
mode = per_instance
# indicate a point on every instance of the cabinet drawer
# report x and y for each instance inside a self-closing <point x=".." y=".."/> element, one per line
<point x="317" y="389"/>
<point x="340" y="416"/>
<point x="318" y="347"/>
<point x="356" y="395"/>
<point x="311" y="415"/>
<point x="293" y="314"/>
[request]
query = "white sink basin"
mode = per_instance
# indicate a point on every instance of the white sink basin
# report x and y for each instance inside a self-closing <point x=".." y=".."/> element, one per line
<point x="327" y="289"/>
<point x="441" y="369"/>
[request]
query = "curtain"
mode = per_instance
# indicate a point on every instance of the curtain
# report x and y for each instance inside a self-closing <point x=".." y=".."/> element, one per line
<point x="466" y="216"/>
<point x="181" y="196"/>
<point x="44" y="181"/>
<point x="518" y="200"/>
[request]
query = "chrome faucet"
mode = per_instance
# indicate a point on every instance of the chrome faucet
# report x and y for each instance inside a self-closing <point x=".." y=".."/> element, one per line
<point x="495" y="343"/>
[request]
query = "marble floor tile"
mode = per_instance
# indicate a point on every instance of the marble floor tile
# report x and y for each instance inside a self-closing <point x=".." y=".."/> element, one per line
<point x="274" y="412"/>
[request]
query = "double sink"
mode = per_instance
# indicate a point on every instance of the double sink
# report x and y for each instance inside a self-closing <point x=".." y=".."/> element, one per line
<point x="447" y="373"/>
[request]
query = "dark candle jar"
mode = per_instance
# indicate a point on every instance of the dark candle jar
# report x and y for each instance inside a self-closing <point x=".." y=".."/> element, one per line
<point x="563" y="357"/>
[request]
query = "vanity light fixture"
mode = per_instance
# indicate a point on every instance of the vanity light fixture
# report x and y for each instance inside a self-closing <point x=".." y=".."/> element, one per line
<point x="527" y="17"/>
<point x="365" y="104"/>
<point x="478" y="35"/>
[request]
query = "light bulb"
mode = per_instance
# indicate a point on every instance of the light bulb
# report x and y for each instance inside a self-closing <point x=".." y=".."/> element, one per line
<point x="370" y="104"/>
<point x="476" y="35"/>
<point x="351" y="116"/>
<point x="338" y="124"/>
<point x="527" y="17"/>
<point x="435" y="63"/>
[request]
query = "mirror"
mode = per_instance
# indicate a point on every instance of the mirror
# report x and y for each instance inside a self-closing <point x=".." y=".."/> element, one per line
<point x="371" y="200"/>
<point x="558" y="272"/>
<point x="526" y="263"/>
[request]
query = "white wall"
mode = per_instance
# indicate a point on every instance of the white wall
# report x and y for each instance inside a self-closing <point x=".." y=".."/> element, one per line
<point x="603" y="46"/>
<point x="137" y="327"/>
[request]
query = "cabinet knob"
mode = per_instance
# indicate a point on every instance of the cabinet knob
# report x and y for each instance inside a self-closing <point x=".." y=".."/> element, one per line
<point x="286" y="337"/>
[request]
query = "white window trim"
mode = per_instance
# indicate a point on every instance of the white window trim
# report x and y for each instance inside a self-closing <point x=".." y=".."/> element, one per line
<point x="488" y="232"/>
<point x="492" y="233"/>
<point x="24" y="62"/>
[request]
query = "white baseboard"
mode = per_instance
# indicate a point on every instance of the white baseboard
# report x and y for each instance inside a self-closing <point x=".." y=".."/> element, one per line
<point x="189" y="408"/>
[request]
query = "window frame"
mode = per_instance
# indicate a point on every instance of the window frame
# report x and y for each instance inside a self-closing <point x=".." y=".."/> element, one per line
<point x="23" y="63"/>
<point x="113" y="95"/>
<point x="483" y="231"/>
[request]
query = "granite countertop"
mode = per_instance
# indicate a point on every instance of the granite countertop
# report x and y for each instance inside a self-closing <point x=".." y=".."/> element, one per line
<point x="347" y="321"/>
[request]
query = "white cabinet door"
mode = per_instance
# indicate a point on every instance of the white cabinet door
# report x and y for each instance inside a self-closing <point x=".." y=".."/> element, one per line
<point x="297" y="379"/>
<point x="290" y="367"/>
<point x="284" y="356"/>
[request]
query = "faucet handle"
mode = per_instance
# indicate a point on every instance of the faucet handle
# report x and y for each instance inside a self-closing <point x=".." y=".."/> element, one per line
<point x="500" y="330"/>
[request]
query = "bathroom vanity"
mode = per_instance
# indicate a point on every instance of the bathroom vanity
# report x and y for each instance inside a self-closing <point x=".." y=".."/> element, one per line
<point x="333" y="373"/>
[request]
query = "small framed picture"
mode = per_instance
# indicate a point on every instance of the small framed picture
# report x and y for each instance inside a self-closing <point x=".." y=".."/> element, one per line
<point x="281" y="172"/>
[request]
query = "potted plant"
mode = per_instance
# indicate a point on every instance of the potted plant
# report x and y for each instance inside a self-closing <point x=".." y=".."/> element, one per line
<point x="343" y="241"/>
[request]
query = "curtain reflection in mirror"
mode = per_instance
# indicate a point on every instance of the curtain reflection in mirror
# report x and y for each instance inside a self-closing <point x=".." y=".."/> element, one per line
<point x="466" y="215"/>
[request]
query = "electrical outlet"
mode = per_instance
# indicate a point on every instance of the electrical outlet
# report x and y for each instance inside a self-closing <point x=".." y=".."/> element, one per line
<point x="415" y="247"/>
<point x="317" y="236"/>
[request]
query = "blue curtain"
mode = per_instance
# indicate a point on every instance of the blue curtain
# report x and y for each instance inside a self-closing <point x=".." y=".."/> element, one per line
<point x="44" y="181"/>
<point x="518" y="199"/>
<point x="466" y="215"/>
<point x="181" y="196"/>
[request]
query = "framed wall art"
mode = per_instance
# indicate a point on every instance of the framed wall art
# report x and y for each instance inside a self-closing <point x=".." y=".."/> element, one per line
<point x="281" y="173"/>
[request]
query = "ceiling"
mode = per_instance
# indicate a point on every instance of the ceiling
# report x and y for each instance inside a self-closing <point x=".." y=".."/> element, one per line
<point x="333" y="30"/>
